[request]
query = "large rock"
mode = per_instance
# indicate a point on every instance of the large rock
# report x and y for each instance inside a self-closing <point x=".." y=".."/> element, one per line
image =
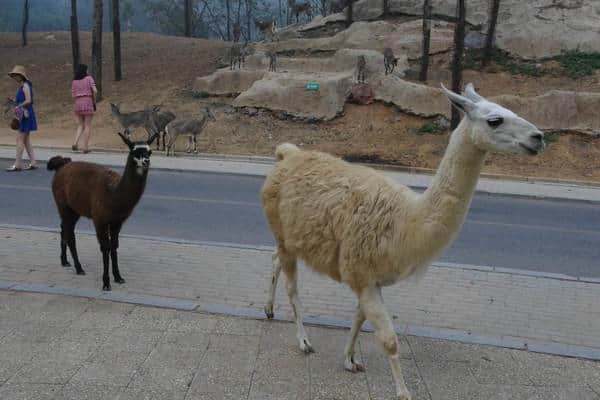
<point x="226" y="82"/>
<point x="412" y="98"/>
<point x="530" y="29"/>
<point x="342" y="60"/>
<point x="402" y="38"/>
<point x="558" y="110"/>
<point x="287" y="92"/>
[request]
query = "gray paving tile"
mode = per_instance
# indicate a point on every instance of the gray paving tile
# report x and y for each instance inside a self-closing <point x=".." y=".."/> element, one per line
<point x="239" y="326"/>
<point x="282" y="370"/>
<point x="379" y="374"/>
<point x="78" y="391"/>
<point x="226" y="368"/>
<point x="546" y="370"/>
<point x="149" y="318"/>
<point x="328" y="378"/>
<point x="193" y="322"/>
<point x="56" y="364"/>
<point x="566" y="393"/>
<point x="28" y="391"/>
<point x="450" y="380"/>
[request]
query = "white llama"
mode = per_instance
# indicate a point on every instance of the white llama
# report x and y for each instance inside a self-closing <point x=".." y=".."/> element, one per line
<point x="364" y="229"/>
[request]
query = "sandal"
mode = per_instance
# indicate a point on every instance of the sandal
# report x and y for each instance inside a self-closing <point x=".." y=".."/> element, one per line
<point x="13" y="169"/>
<point x="31" y="167"/>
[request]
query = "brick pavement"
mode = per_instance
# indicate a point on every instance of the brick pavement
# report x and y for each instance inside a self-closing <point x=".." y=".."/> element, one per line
<point x="547" y="314"/>
<point x="55" y="347"/>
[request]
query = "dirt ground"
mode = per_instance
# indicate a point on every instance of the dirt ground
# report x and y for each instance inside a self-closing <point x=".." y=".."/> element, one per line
<point x="160" y="70"/>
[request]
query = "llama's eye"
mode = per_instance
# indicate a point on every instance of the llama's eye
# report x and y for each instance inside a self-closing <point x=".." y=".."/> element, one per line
<point x="495" y="122"/>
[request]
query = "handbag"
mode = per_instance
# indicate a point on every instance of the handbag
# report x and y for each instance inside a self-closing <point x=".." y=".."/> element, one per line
<point x="14" y="124"/>
<point x="16" y="119"/>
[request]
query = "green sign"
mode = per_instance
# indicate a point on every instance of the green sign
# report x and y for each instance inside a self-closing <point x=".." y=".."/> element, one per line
<point x="312" y="86"/>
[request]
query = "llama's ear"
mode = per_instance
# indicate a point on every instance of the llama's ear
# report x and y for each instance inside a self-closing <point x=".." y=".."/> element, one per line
<point x="471" y="94"/>
<point x="126" y="141"/>
<point x="153" y="138"/>
<point x="460" y="102"/>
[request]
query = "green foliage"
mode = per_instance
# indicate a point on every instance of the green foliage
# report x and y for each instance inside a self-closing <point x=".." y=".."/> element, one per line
<point x="504" y="60"/>
<point x="551" y="138"/>
<point x="431" y="128"/>
<point x="168" y="15"/>
<point x="576" y="64"/>
<point x="200" y="94"/>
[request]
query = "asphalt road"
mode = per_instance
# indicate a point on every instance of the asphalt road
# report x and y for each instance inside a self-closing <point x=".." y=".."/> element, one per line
<point x="501" y="231"/>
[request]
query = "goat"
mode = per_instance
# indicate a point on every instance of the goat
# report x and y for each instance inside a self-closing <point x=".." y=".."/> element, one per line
<point x="361" y="69"/>
<point x="268" y="28"/>
<point x="157" y="123"/>
<point x="298" y="8"/>
<point x="191" y="127"/>
<point x="132" y="119"/>
<point x="389" y="60"/>
<point x="237" y="55"/>
<point x="361" y="228"/>
<point x="272" y="54"/>
<point x="93" y="191"/>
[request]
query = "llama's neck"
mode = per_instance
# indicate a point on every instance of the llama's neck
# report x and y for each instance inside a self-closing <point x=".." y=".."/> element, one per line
<point x="447" y="199"/>
<point x="131" y="186"/>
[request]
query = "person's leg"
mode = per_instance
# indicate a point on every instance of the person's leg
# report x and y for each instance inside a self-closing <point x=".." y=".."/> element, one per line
<point x="87" y="131"/>
<point x="20" y="146"/>
<point x="79" y="131"/>
<point x="29" y="148"/>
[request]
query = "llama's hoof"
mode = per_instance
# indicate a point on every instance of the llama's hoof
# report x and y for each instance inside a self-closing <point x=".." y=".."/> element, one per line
<point x="269" y="312"/>
<point x="80" y="272"/>
<point x="195" y="151"/>
<point x="403" y="397"/>
<point x="106" y="287"/>
<point x="119" y="280"/>
<point x="353" y="366"/>
<point x="65" y="263"/>
<point x="188" y="151"/>
<point x="306" y="347"/>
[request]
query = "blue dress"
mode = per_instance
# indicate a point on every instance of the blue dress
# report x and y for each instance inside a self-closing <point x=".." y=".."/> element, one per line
<point x="27" y="124"/>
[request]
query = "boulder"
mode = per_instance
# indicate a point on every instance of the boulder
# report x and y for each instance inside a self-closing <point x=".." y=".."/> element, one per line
<point x="227" y="82"/>
<point x="412" y="98"/>
<point x="287" y="92"/>
<point x="529" y="29"/>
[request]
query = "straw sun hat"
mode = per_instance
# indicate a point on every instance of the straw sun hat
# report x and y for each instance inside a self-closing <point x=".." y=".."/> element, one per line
<point x="18" y="70"/>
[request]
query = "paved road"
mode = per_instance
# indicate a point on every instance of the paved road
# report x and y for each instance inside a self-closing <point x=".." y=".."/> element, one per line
<point x="502" y="231"/>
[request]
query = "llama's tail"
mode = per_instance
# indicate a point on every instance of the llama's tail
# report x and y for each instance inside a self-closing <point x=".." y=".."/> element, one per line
<point x="284" y="150"/>
<point x="57" y="162"/>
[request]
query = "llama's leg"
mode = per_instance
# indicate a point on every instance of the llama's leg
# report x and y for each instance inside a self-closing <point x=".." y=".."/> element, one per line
<point x="104" y="241"/>
<point x="114" y="245"/>
<point x="188" y="149"/>
<point x="288" y="263"/>
<point x="273" y="285"/>
<point x="67" y="226"/>
<point x="371" y="303"/>
<point x="195" y="138"/>
<point x="349" y="362"/>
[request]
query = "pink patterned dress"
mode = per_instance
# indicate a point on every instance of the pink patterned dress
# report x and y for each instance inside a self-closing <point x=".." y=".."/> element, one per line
<point x="81" y="90"/>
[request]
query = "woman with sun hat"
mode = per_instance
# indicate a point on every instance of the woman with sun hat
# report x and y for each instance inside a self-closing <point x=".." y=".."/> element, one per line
<point x="27" y="121"/>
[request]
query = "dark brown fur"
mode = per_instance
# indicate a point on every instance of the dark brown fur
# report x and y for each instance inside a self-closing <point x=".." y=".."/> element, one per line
<point x="93" y="191"/>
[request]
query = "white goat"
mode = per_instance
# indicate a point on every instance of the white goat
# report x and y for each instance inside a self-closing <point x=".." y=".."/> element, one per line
<point x="364" y="229"/>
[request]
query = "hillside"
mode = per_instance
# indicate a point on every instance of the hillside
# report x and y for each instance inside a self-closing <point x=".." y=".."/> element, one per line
<point x="162" y="70"/>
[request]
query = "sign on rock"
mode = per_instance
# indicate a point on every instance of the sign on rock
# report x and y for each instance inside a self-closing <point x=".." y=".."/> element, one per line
<point x="312" y="86"/>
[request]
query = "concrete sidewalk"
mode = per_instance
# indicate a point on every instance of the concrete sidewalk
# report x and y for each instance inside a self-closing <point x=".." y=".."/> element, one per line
<point x="260" y="166"/>
<point x="511" y="308"/>
<point x="55" y="347"/>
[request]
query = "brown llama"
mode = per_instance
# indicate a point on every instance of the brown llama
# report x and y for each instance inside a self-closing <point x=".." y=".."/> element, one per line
<point x="93" y="191"/>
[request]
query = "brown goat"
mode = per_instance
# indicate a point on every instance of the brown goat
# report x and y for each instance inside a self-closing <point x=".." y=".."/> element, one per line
<point x="93" y="191"/>
<point x="389" y="60"/>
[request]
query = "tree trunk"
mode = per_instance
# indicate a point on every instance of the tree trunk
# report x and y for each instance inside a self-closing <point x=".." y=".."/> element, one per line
<point x="386" y="7"/>
<point x="97" y="47"/>
<point x="228" y="5"/>
<point x="489" y="41"/>
<point x="74" y="36"/>
<point x="426" y="40"/>
<point x="25" y="22"/>
<point x="349" y="15"/>
<point x="116" y="40"/>
<point x="249" y="19"/>
<point x="187" y="10"/>
<point x="459" y="46"/>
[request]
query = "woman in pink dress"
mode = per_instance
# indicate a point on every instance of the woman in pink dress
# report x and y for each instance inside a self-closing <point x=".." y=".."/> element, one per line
<point x="84" y="91"/>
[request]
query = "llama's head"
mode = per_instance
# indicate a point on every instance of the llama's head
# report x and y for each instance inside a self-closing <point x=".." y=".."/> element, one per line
<point x="139" y="152"/>
<point x="495" y="128"/>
